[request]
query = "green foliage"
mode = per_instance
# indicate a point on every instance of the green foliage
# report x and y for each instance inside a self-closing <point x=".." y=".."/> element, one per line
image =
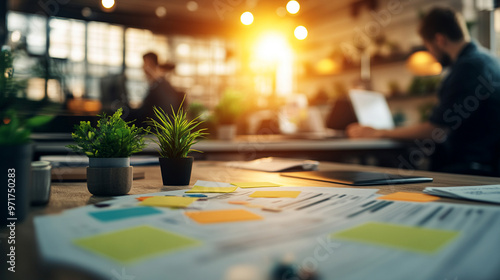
<point x="175" y="133"/>
<point x="229" y="107"/>
<point x="112" y="138"/>
<point x="6" y="73"/>
<point x="15" y="131"/>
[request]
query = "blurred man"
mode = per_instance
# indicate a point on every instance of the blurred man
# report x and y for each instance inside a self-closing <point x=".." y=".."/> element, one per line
<point x="160" y="92"/>
<point x="464" y="128"/>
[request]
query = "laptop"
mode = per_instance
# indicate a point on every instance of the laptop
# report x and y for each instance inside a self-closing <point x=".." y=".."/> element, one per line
<point x="357" y="178"/>
<point x="371" y="109"/>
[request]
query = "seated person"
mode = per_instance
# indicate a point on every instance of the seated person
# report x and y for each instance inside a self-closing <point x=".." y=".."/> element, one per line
<point x="160" y="92"/>
<point x="466" y="121"/>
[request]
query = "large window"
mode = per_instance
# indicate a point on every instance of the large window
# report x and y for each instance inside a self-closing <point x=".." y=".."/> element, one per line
<point x="82" y="53"/>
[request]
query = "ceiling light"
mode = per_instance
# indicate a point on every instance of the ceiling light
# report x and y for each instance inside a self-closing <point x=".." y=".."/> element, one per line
<point x="108" y="4"/>
<point x="246" y="18"/>
<point x="300" y="32"/>
<point x="293" y="7"/>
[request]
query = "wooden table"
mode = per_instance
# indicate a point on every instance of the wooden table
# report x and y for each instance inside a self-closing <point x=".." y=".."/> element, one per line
<point x="70" y="195"/>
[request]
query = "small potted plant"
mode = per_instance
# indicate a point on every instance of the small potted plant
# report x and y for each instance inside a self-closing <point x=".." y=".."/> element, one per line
<point x="226" y="114"/>
<point x="109" y="146"/>
<point x="175" y="135"/>
<point x="15" y="145"/>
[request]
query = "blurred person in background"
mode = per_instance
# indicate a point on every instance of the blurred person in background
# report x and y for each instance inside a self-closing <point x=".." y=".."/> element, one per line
<point x="160" y="92"/>
<point x="464" y="127"/>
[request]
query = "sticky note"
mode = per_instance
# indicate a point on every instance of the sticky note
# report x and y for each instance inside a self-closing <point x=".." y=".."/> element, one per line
<point x="238" y="202"/>
<point x="201" y="189"/>
<point x="119" y="214"/>
<point x="417" y="239"/>
<point x="169" y="201"/>
<point x="135" y="243"/>
<point x="222" y="216"/>
<point x="244" y="185"/>
<point x="142" y="198"/>
<point x="407" y="196"/>
<point x="291" y="194"/>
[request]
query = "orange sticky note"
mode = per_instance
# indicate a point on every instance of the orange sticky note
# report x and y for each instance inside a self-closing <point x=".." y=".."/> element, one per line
<point x="291" y="194"/>
<point x="142" y="198"/>
<point x="407" y="196"/>
<point x="222" y="216"/>
<point x="238" y="202"/>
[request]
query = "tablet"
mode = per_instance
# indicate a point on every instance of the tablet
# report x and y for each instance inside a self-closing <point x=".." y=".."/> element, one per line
<point x="357" y="178"/>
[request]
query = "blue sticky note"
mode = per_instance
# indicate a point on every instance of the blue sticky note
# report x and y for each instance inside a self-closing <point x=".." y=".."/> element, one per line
<point x="120" y="214"/>
<point x="195" y="195"/>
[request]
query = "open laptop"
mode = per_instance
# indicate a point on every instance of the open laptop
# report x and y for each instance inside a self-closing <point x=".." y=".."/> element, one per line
<point x="371" y="109"/>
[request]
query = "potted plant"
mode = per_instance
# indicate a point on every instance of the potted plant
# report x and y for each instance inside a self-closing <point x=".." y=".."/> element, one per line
<point x="109" y="146"/>
<point x="15" y="146"/>
<point x="175" y="135"/>
<point x="226" y="114"/>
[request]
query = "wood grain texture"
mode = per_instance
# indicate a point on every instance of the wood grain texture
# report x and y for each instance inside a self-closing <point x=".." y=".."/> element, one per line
<point x="70" y="195"/>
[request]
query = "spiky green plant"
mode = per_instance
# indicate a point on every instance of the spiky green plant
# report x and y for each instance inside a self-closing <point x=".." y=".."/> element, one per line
<point x="175" y="133"/>
<point x="112" y="138"/>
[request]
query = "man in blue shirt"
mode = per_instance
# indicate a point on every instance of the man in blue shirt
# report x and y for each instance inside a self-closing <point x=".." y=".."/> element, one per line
<point x="464" y="128"/>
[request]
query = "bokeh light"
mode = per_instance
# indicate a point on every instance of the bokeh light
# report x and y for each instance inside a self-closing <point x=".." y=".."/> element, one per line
<point x="300" y="32"/>
<point x="293" y="7"/>
<point x="246" y="18"/>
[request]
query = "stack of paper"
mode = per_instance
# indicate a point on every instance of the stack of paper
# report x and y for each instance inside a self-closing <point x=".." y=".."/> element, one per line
<point x="490" y="193"/>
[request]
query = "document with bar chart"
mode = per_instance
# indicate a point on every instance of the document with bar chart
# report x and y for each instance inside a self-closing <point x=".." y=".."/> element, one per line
<point x="327" y="233"/>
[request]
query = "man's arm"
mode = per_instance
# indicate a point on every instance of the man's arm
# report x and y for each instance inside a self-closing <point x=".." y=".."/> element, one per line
<point x="418" y="131"/>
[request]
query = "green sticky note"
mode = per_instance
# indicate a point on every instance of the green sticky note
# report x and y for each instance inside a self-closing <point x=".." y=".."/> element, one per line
<point x="244" y="185"/>
<point x="135" y="243"/>
<point x="201" y="189"/>
<point x="417" y="239"/>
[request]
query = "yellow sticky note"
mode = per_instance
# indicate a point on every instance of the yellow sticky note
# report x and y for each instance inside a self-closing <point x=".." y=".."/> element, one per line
<point x="200" y="189"/>
<point x="135" y="243"/>
<point x="291" y="194"/>
<point x="244" y="185"/>
<point x="407" y="196"/>
<point x="222" y="216"/>
<point x="168" y="201"/>
<point x="417" y="239"/>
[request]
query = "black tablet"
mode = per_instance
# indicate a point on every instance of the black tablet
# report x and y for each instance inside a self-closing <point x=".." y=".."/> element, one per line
<point x="357" y="178"/>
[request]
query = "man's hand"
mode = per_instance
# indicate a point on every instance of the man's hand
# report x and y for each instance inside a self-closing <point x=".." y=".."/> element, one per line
<point x="355" y="130"/>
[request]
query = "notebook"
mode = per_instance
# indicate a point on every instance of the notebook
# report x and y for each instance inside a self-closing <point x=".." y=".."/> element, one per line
<point x="357" y="178"/>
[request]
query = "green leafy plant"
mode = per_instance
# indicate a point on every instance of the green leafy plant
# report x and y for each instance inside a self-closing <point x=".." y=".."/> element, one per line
<point x="15" y="131"/>
<point x="229" y="107"/>
<point x="112" y="138"/>
<point x="176" y="133"/>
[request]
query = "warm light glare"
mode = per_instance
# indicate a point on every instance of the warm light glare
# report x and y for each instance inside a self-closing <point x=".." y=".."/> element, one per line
<point x="300" y="32"/>
<point x="246" y="18"/>
<point x="161" y="11"/>
<point x="272" y="47"/>
<point x="108" y="4"/>
<point x="422" y="63"/>
<point x="293" y="7"/>
<point x="192" y="6"/>
<point x="328" y="66"/>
